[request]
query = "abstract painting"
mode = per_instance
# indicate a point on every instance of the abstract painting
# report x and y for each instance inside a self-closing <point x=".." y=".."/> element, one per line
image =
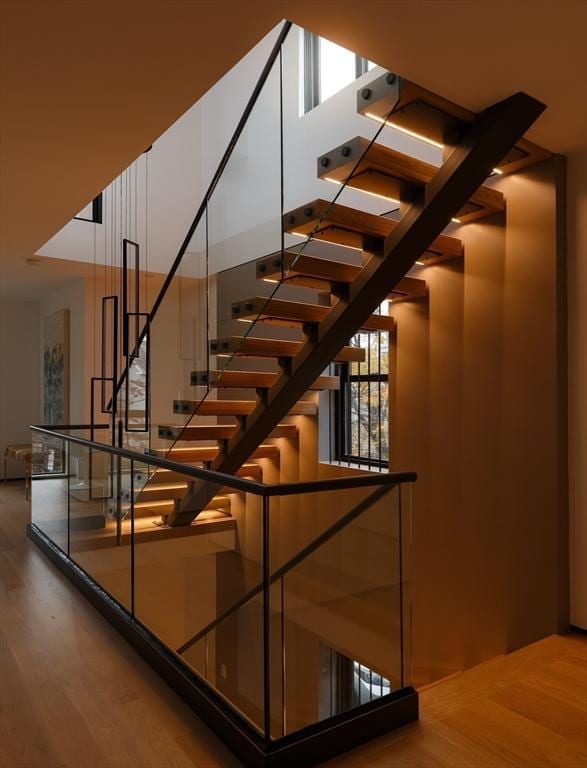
<point x="56" y="368"/>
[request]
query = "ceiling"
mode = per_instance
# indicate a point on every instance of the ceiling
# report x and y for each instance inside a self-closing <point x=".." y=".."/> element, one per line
<point x="86" y="86"/>
<point x="30" y="280"/>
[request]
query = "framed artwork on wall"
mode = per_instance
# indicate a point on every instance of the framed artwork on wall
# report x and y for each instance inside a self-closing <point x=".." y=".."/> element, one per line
<point x="56" y="368"/>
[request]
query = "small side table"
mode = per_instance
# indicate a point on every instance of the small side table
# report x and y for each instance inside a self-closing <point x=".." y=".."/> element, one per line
<point x="21" y="452"/>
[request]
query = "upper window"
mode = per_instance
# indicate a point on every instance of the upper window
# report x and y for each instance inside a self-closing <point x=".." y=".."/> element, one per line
<point x="328" y="68"/>
<point x="362" y="403"/>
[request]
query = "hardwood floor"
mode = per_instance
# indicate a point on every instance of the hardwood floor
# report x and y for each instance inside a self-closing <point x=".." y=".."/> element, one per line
<point x="74" y="695"/>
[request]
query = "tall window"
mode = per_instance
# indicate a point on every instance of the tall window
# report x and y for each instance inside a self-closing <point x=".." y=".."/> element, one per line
<point x="328" y="68"/>
<point x="362" y="412"/>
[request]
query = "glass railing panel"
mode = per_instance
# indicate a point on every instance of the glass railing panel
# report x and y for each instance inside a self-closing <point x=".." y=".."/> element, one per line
<point x="243" y="219"/>
<point x="189" y="576"/>
<point x="49" y="501"/>
<point x="100" y="528"/>
<point x="230" y="658"/>
<point x="178" y="343"/>
<point x="338" y="629"/>
<point x="272" y="171"/>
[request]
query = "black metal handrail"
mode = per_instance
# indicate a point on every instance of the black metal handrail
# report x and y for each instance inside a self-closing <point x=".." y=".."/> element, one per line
<point x="212" y="186"/>
<point x="250" y="486"/>
<point x="241" y="484"/>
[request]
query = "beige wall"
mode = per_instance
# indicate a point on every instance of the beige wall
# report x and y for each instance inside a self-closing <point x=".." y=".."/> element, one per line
<point x="577" y="293"/>
<point x="83" y="298"/>
<point x="479" y="414"/>
<point x="19" y="375"/>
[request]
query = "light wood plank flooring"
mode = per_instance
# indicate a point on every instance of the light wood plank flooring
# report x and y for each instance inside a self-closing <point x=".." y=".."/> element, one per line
<point x="74" y="695"/>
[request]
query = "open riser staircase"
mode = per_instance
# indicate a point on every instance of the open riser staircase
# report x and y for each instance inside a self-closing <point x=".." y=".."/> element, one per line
<point x="347" y="294"/>
<point x="220" y="467"/>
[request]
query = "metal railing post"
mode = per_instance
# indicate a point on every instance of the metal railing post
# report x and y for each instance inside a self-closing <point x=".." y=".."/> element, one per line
<point x="266" y="620"/>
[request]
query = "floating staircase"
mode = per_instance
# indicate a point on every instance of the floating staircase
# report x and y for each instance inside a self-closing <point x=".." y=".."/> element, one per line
<point x="351" y="293"/>
<point x="389" y="249"/>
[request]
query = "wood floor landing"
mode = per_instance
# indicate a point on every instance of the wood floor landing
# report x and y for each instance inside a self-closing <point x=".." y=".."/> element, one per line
<point x="73" y="694"/>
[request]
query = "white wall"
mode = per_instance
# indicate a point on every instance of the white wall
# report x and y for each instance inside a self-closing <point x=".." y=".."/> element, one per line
<point x="154" y="201"/>
<point x="19" y="375"/>
<point x="73" y="295"/>
<point x="577" y="336"/>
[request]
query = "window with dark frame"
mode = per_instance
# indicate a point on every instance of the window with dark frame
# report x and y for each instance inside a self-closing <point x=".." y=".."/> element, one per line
<point x="92" y="212"/>
<point x="328" y="68"/>
<point x="362" y="404"/>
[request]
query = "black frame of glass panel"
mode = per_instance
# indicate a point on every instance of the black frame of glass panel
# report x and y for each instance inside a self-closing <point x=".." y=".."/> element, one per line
<point x="308" y="746"/>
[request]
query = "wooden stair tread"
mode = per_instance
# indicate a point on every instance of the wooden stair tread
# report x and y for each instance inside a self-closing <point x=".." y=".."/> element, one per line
<point x="251" y="471"/>
<point x="383" y="171"/>
<point x="210" y="407"/>
<point x="284" y="312"/>
<point x="153" y="507"/>
<point x="215" y="431"/>
<point x="319" y="273"/>
<point x="252" y="380"/>
<point x="208" y="453"/>
<point x="254" y="347"/>
<point x="430" y="116"/>
<point x="164" y="489"/>
<point x="200" y="526"/>
<point x="348" y="226"/>
<point x="159" y="492"/>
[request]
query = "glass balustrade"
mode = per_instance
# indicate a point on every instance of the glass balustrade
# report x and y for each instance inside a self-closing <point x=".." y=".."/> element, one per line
<point x="291" y="602"/>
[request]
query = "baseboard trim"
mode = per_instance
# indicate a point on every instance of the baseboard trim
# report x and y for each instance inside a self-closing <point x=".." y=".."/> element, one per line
<point x="579" y="630"/>
<point x="307" y="747"/>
